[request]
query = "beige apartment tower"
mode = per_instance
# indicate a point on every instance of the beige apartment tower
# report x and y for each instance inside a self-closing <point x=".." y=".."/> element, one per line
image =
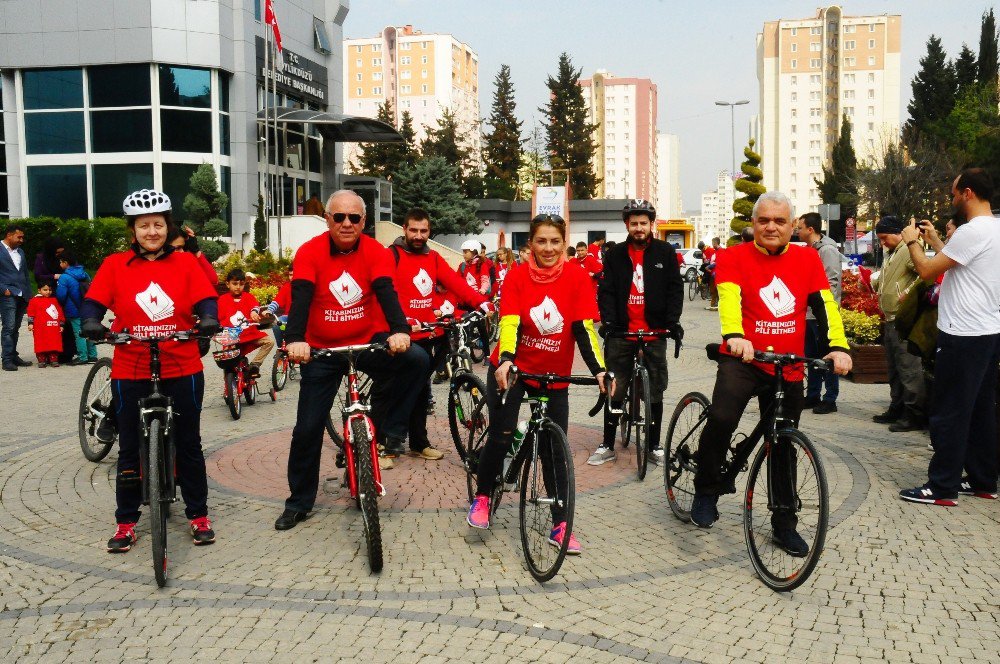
<point x="420" y="73"/>
<point x="812" y="72"/>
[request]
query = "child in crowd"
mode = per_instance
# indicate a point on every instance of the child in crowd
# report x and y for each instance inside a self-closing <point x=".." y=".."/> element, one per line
<point x="70" y="291"/>
<point x="237" y="308"/>
<point x="45" y="322"/>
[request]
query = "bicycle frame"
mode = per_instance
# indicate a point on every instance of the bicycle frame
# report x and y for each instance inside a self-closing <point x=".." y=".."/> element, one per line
<point x="357" y="409"/>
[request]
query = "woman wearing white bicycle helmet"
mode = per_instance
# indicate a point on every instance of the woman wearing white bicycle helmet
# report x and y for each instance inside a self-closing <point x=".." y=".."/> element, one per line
<point x="154" y="290"/>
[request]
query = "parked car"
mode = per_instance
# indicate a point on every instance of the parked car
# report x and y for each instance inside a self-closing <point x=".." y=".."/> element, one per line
<point x="692" y="261"/>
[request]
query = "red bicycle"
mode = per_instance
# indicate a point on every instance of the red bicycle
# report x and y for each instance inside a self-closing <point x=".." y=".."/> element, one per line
<point x="238" y="379"/>
<point x="360" y="456"/>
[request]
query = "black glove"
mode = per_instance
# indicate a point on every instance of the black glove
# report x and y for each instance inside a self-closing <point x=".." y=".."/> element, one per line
<point x="191" y="244"/>
<point x="676" y="332"/>
<point x="208" y="326"/>
<point x="92" y="329"/>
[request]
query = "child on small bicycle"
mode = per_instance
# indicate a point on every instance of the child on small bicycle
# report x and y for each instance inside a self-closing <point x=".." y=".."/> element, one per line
<point x="238" y="308"/>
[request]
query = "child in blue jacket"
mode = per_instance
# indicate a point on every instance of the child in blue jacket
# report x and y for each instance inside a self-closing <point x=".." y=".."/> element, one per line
<point x="70" y="291"/>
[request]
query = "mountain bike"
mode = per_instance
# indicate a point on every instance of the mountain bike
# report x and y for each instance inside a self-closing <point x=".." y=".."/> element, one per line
<point x="157" y="456"/>
<point x="282" y="369"/>
<point x="237" y="378"/>
<point x="95" y="414"/>
<point x="533" y="467"/>
<point x="765" y="491"/>
<point x="360" y="456"/>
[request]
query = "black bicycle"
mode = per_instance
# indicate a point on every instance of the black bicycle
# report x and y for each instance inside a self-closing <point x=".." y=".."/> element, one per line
<point x="96" y="420"/>
<point x="157" y="455"/>
<point x="804" y="493"/>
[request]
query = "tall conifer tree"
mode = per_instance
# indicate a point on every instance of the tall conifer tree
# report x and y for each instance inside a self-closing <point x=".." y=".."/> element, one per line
<point x="502" y="146"/>
<point x="569" y="136"/>
<point x="933" y="93"/>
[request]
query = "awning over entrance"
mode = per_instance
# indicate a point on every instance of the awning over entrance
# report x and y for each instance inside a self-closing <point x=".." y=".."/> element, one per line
<point x="337" y="128"/>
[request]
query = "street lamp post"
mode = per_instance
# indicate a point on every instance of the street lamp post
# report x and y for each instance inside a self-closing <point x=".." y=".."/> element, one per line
<point x="732" y="126"/>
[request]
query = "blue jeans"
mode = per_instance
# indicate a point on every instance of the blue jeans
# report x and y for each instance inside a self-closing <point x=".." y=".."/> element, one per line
<point x="397" y="382"/>
<point x="12" y="310"/>
<point x="85" y="349"/>
<point x="818" y="379"/>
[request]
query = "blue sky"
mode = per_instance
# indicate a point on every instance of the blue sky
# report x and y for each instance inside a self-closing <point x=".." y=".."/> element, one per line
<point x="710" y="53"/>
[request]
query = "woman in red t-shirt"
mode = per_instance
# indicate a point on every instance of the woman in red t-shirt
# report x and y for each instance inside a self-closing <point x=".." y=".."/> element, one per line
<point x="154" y="291"/>
<point x="541" y="314"/>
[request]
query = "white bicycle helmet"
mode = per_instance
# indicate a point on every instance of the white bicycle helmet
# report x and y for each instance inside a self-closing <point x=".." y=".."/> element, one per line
<point x="472" y="245"/>
<point x="145" y="201"/>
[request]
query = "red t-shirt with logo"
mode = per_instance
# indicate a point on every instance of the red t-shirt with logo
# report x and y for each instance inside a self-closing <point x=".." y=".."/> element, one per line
<point x="284" y="297"/>
<point x="415" y="278"/>
<point x="233" y="312"/>
<point x="152" y="298"/>
<point x="47" y="316"/>
<point x="547" y="313"/>
<point x="636" y="307"/>
<point x="344" y="309"/>
<point x="774" y="293"/>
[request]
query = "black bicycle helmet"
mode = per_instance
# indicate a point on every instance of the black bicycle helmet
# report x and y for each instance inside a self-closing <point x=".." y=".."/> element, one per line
<point x="639" y="206"/>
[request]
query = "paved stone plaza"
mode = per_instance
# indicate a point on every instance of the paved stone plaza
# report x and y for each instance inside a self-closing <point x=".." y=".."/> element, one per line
<point x="897" y="582"/>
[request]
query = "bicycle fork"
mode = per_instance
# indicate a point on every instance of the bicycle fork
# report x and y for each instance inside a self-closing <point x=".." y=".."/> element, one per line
<point x="352" y="478"/>
<point x="157" y="408"/>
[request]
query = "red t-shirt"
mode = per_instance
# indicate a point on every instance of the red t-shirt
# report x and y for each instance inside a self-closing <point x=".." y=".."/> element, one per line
<point x="284" y="297"/>
<point x="680" y="259"/>
<point x="706" y="254"/>
<point x="152" y="298"/>
<point x="476" y="275"/>
<point x="206" y="265"/>
<point x="416" y="276"/>
<point x="233" y="313"/>
<point x="636" y="307"/>
<point x="774" y="292"/>
<point x="547" y="313"/>
<point x="594" y="250"/>
<point x="344" y="309"/>
<point x="46" y="315"/>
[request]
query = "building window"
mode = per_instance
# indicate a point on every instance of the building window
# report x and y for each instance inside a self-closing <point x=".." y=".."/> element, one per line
<point x="359" y="47"/>
<point x="814" y="145"/>
<point x="321" y="41"/>
<point x="849" y="111"/>
<point x="405" y="89"/>
<point x="815" y="47"/>
<point x="256" y="9"/>
<point x="814" y="63"/>
<point x="376" y="48"/>
<point x="124" y="131"/>
<point x="795" y="97"/>
<point x="871" y="126"/>
<point x="795" y="111"/>
<point x="59" y="191"/>
<point x="871" y="94"/>
<point x="792" y="161"/>
<point x="794" y="48"/>
<point x="794" y="64"/>
<point x="358" y="76"/>
<point x="376" y="76"/>
<point x="185" y="87"/>
<point x="814" y="128"/>
<point x="814" y="161"/>
<point x="376" y="62"/>
<point x="423" y="73"/>
<point x="109" y="181"/>
<point x="54" y="133"/>
<point x="423" y="88"/>
<point x="52" y="89"/>
<point x="358" y="92"/>
<point x="405" y="74"/>
<point x="871" y="27"/>
<point x="871" y="77"/>
<point x="871" y="43"/>
<point x="815" y="112"/>
<point x="871" y="111"/>
<point x="814" y="79"/>
<point x="848" y="78"/>
<point x="871" y="60"/>
<point x="185" y="131"/>
<point x="815" y="30"/>
<point x="795" y="31"/>
<point x="850" y="62"/>
<point x="795" y="128"/>
<point x="405" y="60"/>
<point x="850" y="29"/>
<point x="848" y="94"/>
<point x="795" y="79"/>
<point x="377" y="90"/>
<point x="794" y="144"/>
<point x="849" y="45"/>
<point x="405" y="46"/>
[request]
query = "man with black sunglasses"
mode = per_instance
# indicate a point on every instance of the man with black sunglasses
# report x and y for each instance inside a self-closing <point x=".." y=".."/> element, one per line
<point x="342" y="294"/>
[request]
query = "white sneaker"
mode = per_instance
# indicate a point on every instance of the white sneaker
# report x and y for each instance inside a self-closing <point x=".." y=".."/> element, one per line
<point x="656" y="456"/>
<point x="600" y="455"/>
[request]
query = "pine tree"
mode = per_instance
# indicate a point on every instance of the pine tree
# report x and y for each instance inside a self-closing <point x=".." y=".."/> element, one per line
<point x="383" y="159"/>
<point x="202" y="208"/>
<point x="409" y="135"/>
<point x="987" y="64"/>
<point x="444" y="141"/>
<point x="750" y="186"/>
<point x="839" y="183"/>
<point x="570" y="137"/>
<point x="502" y="146"/>
<point x="966" y="69"/>
<point x="934" y="89"/>
<point x="260" y="226"/>
<point x="433" y="184"/>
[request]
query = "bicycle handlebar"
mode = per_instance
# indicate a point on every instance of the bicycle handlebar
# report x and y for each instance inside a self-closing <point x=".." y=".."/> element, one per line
<point x="450" y="320"/>
<point x="646" y="334"/>
<point x="124" y="337"/>
<point x="770" y="357"/>
<point x="545" y="378"/>
<point x="343" y="350"/>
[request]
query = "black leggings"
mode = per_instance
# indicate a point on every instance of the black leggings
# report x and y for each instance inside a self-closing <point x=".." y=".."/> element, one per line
<point x="503" y="421"/>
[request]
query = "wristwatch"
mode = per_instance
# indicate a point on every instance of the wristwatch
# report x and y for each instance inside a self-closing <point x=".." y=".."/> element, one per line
<point x="911" y="242"/>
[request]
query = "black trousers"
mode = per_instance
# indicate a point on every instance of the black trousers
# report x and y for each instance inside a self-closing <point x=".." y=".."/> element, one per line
<point x="618" y="356"/>
<point x="396" y="381"/>
<point x="187" y="393"/>
<point x="437" y="351"/>
<point x="963" y="413"/>
<point x="735" y="384"/>
<point x="503" y="421"/>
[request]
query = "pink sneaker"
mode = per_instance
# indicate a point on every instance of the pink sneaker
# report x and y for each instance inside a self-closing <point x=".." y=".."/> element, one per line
<point x="479" y="513"/>
<point x="556" y="539"/>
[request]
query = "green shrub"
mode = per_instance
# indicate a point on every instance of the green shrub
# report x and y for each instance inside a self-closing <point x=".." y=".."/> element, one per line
<point x="90" y="239"/>
<point x="861" y="328"/>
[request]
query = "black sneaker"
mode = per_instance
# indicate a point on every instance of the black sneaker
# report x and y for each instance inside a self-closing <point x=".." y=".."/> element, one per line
<point x="394" y="447"/>
<point x="888" y="417"/>
<point x="810" y="402"/>
<point x="703" y="510"/>
<point x="106" y="430"/>
<point x="965" y="489"/>
<point x="825" y="407"/>
<point x="124" y="538"/>
<point x="201" y="531"/>
<point x="928" y="496"/>
<point x="790" y="542"/>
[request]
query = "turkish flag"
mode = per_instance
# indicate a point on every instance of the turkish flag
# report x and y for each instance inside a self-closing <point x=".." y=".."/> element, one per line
<point x="272" y="20"/>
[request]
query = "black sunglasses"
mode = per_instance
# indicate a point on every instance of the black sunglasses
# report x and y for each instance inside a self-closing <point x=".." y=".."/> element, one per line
<point x="554" y="218"/>
<point x="339" y="217"/>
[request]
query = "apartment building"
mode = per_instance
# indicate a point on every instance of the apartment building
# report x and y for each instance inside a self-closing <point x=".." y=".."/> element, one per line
<point x="422" y="73"/>
<point x="717" y="210"/>
<point x="812" y="72"/>
<point x="668" y="180"/>
<point x="625" y="111"/>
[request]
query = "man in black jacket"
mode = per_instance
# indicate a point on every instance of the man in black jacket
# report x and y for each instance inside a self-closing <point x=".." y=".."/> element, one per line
<point x="641" y="289"/>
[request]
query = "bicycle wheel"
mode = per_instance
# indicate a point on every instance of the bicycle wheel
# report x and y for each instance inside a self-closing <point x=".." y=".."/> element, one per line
<point x="279" y="371"/>
<point x="706" y="290"/>
<point x="807" y="499"/>
<point x="543" y="501"/>
<point x="232" y="386"/>
<point x="95" y="405"/>
<point x="692" y="289"/>
<point x="624" y="427"/>
<point x="468" y="419"/>
<point x="477" y="346"/>
<point x="249" y="387"/>
<point x="683" y="434"/>
<point x="367" y="493"/>
<point x="641" y="417"/>
<point x="157" y="504"/>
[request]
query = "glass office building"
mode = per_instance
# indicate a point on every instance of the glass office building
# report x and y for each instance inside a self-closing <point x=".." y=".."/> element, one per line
<point x="117" y="95"/>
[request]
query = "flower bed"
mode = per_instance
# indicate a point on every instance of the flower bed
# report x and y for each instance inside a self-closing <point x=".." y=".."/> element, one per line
<point x="862" y="316"/>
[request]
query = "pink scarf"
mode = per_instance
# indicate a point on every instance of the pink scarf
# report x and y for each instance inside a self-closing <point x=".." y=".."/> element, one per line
<point x="545" y="275"/>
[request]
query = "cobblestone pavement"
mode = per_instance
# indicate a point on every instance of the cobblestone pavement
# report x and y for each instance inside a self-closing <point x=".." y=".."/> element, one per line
<point x="897" y="582"/>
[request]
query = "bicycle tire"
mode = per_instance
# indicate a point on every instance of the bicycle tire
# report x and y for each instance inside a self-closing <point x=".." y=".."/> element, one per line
<point x="93" y="449"/>
<point x="249" y="386"/>
<point x="680" y="466"/>
<point x="692" y="289"/>
<point x="232" y="394"/>
<point x="157" y="505"/>
<point x="535" y="515"/>
<point x="367" y="493"/>
<point x="477" y="352"/>
<point x="468" y="419"/>
<point x="624" y="430"/>
<point x="779" y="570"/>
<point x="279" y="371"/>
<point x="641" y="427"/>
<point x="705" y="290"/>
